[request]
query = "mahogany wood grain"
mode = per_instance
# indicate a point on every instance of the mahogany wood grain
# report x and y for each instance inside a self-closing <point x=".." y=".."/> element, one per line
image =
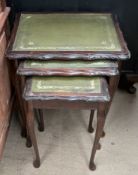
<point x="2" y="5"/>
<point x="6" y="97"/>
<point x="3" y="19"/>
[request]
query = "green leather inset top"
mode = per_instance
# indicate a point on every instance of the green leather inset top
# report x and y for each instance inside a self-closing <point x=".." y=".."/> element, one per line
<point x="68" y="64"/>
<point x="66" y="32"/>
<point x="66" y="85"/>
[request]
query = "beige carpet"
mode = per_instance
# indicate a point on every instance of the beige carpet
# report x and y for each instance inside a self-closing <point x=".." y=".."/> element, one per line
<point x="65" y="145"/>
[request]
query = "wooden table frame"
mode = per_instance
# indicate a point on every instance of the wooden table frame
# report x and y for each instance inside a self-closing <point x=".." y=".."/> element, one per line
<point x="100" y="104"/>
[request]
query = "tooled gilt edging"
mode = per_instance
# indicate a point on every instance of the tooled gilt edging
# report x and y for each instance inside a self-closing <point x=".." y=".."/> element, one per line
<point x="70" y="55"/>
<point x="102" y="96"/>
<point x="62" y="68"/>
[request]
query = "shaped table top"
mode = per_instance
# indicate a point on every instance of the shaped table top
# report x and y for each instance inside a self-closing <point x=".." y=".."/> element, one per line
<point x="86" y="88"/>
<point x="67" y="68"/>
<point x="67" y="33"/>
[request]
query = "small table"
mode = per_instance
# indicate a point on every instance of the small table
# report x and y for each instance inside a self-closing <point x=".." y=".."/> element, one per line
<point x="66" y="92"/>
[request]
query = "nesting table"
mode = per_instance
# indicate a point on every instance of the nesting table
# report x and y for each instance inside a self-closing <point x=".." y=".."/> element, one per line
<point x="66" y="60"/>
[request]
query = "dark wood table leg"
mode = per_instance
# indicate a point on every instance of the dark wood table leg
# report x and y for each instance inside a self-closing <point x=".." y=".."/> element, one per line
<point x="100" y="124"/>
<point x="16" y="83"/>
<point x="28" y="140"/>
<point x="30" y="126"/>
<point x="40" y="119"/>
<point x="90" y="127"/>
<point x="22" y="112"/>
<point x="113" y="83"/>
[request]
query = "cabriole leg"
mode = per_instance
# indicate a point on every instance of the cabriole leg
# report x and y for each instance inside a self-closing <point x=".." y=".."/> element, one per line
<point x="90" y="127"/>
<point x="99" y="129"/>
<point x="40" y="119"/>
<point x="30" y="127"/>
